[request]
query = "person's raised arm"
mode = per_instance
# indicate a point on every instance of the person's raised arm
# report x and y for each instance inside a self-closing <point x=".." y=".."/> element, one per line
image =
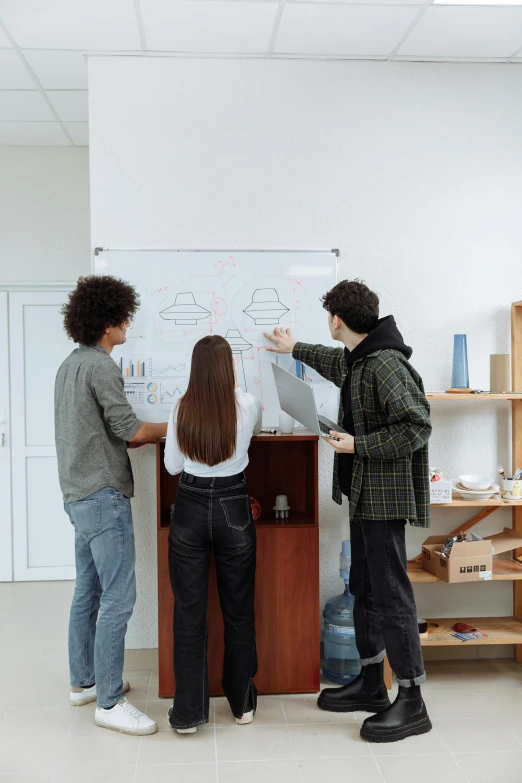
<point x="327" y="361"/>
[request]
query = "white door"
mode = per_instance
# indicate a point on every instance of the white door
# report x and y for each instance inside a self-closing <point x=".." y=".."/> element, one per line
<point x="43" y="541"/>
<point x="6" y="547"/>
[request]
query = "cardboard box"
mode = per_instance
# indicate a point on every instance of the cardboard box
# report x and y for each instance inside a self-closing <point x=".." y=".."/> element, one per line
<point x="469" y="561"/>
<point x="441" y="491"/>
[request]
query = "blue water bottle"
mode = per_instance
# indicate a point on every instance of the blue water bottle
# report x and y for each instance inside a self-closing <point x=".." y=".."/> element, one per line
<point x="341" y="659"/>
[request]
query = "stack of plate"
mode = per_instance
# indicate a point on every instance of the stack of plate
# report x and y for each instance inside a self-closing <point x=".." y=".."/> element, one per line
<point x="474" y="494"/>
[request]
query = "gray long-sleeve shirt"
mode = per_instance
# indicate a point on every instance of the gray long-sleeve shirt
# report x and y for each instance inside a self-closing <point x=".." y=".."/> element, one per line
<point x="93" y="421"/>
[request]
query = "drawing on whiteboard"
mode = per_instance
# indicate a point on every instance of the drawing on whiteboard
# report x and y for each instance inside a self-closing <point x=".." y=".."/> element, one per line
<point x="170" y="393"/>
<point x="167" y="370"/>
<point x="239" y="345"/>
<point x="185" y="311"/>
<point x="265" y="307"/>
<point x="131" y="367"/>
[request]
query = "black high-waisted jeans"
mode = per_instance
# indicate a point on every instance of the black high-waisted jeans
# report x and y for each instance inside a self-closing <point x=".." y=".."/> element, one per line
<point x="212" y="514"/>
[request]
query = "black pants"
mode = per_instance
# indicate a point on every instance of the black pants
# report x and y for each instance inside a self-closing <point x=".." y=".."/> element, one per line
<point x="385" y="616"/>
<point x="212" y="514"/>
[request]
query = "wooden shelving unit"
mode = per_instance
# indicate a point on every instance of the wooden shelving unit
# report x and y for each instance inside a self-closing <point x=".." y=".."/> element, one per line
<point x="500" y="630"/>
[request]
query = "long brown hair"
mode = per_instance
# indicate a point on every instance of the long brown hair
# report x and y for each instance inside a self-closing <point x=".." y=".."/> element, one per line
<point x="207" y="412"/>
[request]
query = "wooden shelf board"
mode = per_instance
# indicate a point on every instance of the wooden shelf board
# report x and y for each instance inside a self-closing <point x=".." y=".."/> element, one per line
<point x="499" y="630"/>
<point x="450" y="396"/>
<point x="459" y="503"/>
<point x="504" y="570"/>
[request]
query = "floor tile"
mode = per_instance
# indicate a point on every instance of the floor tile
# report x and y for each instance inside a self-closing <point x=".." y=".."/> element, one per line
<point x="445" y="679"/>
<point x="269" y="712"/>
<point x="304" y="709"/>
<point x="428" y="769"/>
<point x="488" y="734"/>
<point x="491" y="679"/>
<point x="453" y="703"/>
<point x="411" y="746"/>
<point x="141" y="659"/>
<point x="83" y="718"/>
<point x="356" y="770"/>
<point x="328" y="741"/>
<point x="89" y="774"/>
<point x="14" y="752"/>
<point x="168" y="747"/>
<point x="27" y="776"/>
<point x="34" y="692"/>
<point x="101" y="749"/>
<point x="246" y="743"/>
<point x="260" y="772"/>
<point x="47" y="720"/>
<point x="177" y="773"/>
<point x="501" y="703"/>
<point x="489" y="767"/>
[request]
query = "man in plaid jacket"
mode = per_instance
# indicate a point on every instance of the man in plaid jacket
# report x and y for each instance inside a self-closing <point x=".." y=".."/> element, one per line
<point x="381" y="465"/>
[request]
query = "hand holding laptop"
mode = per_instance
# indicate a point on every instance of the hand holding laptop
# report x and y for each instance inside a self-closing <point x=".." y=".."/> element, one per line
<point x="341" y="442"/>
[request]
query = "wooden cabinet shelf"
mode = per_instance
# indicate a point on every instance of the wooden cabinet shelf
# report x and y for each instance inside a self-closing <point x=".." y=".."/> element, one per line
<point x="450" y="396"/>
<point x="287" y="575"/>
<point x="499" y="630"/>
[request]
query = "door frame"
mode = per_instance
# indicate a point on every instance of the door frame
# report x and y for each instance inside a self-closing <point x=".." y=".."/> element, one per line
<point x="21" y="571"/>
<point x="6" y="515"/>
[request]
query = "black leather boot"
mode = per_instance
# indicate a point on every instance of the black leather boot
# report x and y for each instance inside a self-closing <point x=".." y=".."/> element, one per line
<point x="366" y="693"/>
<point x="405" y="717"/>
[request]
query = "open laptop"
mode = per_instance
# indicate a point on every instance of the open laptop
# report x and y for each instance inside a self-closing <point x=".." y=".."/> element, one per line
<point x="297" y="399"/>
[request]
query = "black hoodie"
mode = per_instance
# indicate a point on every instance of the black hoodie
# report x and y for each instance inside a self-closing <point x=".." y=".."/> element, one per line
<point x="384" y="336"/>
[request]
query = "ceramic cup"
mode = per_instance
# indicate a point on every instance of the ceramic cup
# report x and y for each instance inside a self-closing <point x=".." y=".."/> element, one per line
<point x="511" y="489"/>
<point x="286" y="423"/>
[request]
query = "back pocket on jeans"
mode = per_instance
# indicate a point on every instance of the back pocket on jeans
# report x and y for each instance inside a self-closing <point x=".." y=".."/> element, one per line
<point x="237" y="511"/>
<point x="86" y="517"/>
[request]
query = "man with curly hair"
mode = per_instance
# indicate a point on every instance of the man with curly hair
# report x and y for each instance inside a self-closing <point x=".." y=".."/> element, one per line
<point x="381" y="466"/>
<point x="94" y="425"/>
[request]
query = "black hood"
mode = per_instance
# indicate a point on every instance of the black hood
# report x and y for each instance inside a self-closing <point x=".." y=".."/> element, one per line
<point x="384" y="336"/>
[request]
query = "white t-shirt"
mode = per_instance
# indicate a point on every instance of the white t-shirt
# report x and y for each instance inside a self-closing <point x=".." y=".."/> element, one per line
<point x="248" y="423"/>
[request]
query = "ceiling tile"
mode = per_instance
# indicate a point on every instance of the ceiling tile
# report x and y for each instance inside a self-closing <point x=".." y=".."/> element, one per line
<point x="58" y="70"/>
<point x="471" y="31"/>
<point x="342" y="29"/>
<point x="35" y="134"/>
<point x="71" y="24"/>
<point x="207" y="25"/>
<point x="4" y="41"/>
<point x="71" y="105"/>
<point x="79" y="132"/>
<point x="13" y="74"/>
<point x="368" y="2"/>
<point x="23" y="105"/>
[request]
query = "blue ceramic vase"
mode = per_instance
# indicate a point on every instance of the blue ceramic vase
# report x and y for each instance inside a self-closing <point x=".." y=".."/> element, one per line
<point x="460" y="374"/>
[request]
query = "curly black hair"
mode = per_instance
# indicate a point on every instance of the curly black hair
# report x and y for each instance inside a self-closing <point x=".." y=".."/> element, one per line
<point x="98" y="301"/>
<point x="355" y="304"/>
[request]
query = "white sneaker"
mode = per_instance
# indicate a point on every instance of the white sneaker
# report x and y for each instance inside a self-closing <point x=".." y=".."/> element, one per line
<point x="87" y="695"/>
<point x="124" y="717"/>
<point x="247" y="717"/>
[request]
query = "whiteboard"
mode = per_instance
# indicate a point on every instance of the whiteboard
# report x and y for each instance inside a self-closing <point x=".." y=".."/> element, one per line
<point x="187" y="294"/>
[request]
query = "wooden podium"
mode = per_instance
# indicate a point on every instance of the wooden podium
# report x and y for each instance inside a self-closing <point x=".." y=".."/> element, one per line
<point x="287" y="577"/>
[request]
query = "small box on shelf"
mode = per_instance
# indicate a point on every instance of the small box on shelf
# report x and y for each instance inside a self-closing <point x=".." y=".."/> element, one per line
<point x="440" y="492"/>
<point x="468" y="561"/>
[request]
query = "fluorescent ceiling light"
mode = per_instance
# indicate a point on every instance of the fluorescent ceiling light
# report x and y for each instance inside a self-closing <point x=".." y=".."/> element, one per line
<point x="477" y="2"/>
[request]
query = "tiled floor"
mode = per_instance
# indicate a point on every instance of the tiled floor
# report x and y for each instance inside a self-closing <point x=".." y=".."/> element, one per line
<point x="476" y="708"/>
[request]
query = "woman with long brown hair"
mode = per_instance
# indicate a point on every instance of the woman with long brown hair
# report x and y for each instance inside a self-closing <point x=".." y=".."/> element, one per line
<point x="208" y="437"/>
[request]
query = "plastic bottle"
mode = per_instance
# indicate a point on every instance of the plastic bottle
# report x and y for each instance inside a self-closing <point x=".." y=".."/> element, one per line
<point x="341" y="659"/>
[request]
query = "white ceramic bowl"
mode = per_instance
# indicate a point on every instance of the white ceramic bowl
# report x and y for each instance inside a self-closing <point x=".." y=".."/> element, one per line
<point x="477" y="483"/>
<point x="475" y="495"/>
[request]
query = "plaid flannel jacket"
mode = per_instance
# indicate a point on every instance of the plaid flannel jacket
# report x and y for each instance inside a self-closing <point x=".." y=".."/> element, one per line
<point x="391" y="414"/>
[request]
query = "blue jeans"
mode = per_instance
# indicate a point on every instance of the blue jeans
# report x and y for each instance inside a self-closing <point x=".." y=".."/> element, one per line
<point x="105" y="592"/>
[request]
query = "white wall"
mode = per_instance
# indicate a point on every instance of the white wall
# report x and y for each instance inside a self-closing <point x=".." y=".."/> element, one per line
<point x="44" y="214"/>
<point x="412" y="170"/>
